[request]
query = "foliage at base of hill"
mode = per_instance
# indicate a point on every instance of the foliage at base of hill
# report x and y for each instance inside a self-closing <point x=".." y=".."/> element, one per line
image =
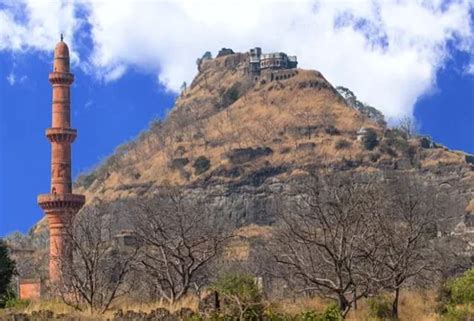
<point x="457" y="297"/>
<point x="7" y="269"/>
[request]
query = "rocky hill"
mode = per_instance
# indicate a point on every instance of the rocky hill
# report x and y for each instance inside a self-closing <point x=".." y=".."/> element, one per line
<point x="239" y="139"/>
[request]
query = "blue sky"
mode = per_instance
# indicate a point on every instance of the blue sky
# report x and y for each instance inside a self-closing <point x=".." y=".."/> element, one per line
<point x="129" y="61"/>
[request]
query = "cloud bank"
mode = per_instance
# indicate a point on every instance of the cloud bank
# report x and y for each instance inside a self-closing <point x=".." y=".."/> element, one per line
<point x="387" y="52"/>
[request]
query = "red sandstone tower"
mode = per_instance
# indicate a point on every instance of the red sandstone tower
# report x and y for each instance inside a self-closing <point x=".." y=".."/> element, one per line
<point x="60" y="205"/>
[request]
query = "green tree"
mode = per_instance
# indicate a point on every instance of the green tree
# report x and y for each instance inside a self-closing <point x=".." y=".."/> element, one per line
<point x="370" y="139"/>
<point x="462" y="288"/>
<point x="7" y="269"/>
<point x="242" y="297"/>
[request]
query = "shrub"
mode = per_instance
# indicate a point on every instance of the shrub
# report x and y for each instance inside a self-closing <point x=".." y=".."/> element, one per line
<point x="455" y="296"/>
<point x="453" y="313"/>
<point x="14" y="303"/>
<point x="462" y="288"/>
<point x="370" y="139"/>
<point x="309" y="316"/>
<point x="7" y="269"/>
<point x="242" y="298"/>
<point x="230" y="95"/>
<point x="331" y="130"/>
<point x="201" y="165"/>
<point x="178" y="163"/>
<point x="426" y="142"/>
<point x="380" y="308"/>
<point x="270" y="315"/>
<point x="331" y="313"/>
<point x="343" y="144"/>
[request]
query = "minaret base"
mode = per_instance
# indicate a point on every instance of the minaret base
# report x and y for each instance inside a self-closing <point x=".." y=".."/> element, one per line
<point x="60" y="210"/>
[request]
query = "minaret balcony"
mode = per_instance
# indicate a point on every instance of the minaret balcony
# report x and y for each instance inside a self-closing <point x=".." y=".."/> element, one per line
<point x="62" y="78"/>
<point x="54" y="202"/>
<point x="61" y="135"/>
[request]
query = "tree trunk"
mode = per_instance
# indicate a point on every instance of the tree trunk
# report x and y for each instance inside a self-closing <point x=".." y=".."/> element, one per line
<point x="395" y="303"/>
<point x="343" y="304"/>
<point x="355" y="298"/>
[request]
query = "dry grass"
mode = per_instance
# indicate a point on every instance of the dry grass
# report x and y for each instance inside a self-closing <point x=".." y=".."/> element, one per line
<point x="295" y="306"/>
<point x="414" y="306"/>
<point x="257" y="118"/>
<point x="254" y="230"/>
<point x="58" y="307"/>
<point x="441" y="157"/>
<point x="189" y="301"/>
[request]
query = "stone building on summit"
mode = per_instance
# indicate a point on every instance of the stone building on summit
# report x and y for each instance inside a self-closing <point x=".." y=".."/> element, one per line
<point x="271" y="66"/>
<point x="259" y="61"/>
<point x="60" y="205"/>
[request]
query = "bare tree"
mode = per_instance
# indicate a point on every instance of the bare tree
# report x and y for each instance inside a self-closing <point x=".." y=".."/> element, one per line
<point x="94" y="271"/>
<point x="406" y="228"/>
<point x="320" y="238"/>
<point x="309" y="119"/>
<point x="407" y="127"/>
<point x="180" y="239"/>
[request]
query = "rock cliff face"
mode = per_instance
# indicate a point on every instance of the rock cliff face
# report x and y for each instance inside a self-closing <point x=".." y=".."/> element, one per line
<point x="239" y="142"/>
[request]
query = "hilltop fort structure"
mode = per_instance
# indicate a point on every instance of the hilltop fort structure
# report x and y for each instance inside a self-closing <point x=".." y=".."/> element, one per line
<point x="272" y="66"/>
<point x="60" y="205"/>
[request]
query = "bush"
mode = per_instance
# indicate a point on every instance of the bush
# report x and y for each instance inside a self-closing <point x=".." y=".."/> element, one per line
<point x="380" y="308"/>
<point x="241" y="296"/>
<point x="331" y="313"/>
<point x="462" y="288"/>
<point x="178" y="163"/>
<point x="455" y="296"/>
<point x="331" y="130"/>
<point x="453" y="313"/>
<point x="343" y="144"/>
<point x="7" y="269"/>
<point x="309" y="316"/>
<point x="270" y="315"/>
<point x="230" y="95"/>
<point x="201" y="165"/>
<point x="370" y="139"/>
<point x="14" y="303"/>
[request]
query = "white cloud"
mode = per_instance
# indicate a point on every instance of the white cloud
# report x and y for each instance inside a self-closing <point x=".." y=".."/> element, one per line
<point x="37" y="24"/>
<point x="13" y="79"/>
<point x="387" y="52"/>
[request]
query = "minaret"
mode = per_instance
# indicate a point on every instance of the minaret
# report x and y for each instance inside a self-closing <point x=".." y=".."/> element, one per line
<point x="60" y="205"/>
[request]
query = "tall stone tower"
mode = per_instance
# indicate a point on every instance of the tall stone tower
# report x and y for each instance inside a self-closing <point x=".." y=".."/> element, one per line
<point x="60" y="205"/>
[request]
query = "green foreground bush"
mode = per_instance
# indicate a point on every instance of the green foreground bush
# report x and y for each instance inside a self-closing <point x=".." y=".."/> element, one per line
<point x="457" y="297"/>
<point x="241" y="295"/>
